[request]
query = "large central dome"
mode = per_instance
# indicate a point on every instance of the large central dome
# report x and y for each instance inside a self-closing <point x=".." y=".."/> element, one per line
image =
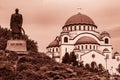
<point x="79" y="19"/>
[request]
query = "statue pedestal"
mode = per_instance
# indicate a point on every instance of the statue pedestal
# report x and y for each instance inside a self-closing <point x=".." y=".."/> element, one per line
<point x="19" y="46"/>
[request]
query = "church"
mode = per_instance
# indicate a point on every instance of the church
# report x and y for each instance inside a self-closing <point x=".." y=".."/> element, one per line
<point x="79" y="34"/>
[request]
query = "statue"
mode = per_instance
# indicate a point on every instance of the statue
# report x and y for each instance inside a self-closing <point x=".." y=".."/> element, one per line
<point x="16" y="24"/>
<point x="17" y="43"/>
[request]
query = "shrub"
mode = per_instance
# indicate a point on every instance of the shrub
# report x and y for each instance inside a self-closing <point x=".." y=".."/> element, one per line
<point x="66" y="58"/>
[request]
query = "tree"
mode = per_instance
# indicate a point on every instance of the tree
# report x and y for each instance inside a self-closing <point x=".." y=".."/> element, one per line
<point x="12" y="56"/>
<point x="24" y="66"/>
<point x="73" y="59"/>
<point x="66" y="58"/>
<point x="100" y="67"/>
<point x="3" y="56"/>
<point x="25" y="59"/>
<point x="87" y="66"/>
<point x="32" y="45"/>
<point x="94" y="66"/>
<point x="116" y="53"/>
<point x="7" y="71"/>
<point x="5" y="34"/>
<point x="81" y="64"/>
<point x="118" y="69"/>
<point x="28" y="75"/>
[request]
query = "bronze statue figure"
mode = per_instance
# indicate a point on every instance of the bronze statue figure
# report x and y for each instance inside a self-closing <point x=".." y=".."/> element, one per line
<point x="16" y="24"/>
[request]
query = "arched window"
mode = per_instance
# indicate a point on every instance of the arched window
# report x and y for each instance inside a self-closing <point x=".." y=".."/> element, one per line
<point x="92" y="28"/>
<point x="71" y="28"/>
<point x="78" y="47"/>
<point x="65" y="39"/>
<point x="53" y="49"/>
<point x="79" y="27"/>
<point x="82" y="47"/>
<point x="94" y="47"/>
<point x="83" y="27"/>
<point x="88" y="28"/>
<point x="86" y="46"/>
<point x="75" y="28"/>
<point x="90" y="47"/>
<point x="106" y="41"/>
<point x="56" y="49"/>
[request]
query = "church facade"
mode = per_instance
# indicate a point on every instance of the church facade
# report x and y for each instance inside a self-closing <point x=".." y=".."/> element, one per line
<point x="80" y="35"/>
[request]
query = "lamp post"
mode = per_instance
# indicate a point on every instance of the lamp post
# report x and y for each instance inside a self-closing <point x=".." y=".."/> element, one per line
<point x="106" y="62"/>
<point x="107" y="56"/>
<point x="112" y="72"/>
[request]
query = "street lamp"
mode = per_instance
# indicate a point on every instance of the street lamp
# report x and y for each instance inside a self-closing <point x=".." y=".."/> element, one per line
<point x="106" y="62"/>
<point x="112" y="72"/>
<point x="107" y="56"/>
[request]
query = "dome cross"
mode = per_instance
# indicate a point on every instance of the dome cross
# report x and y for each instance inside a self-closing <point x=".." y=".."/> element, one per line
<point x="79" y="9"/>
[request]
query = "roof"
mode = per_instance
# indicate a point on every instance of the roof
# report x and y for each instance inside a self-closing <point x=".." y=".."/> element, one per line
<point x="94" y="51"/>
<point x="116" y="54"/>
<point x="86" y="40"/>
<point x="105" y="49"/>
<point x="79" y="19"/>
<point x="105" y="33"/>
<point x="54" y="43"/>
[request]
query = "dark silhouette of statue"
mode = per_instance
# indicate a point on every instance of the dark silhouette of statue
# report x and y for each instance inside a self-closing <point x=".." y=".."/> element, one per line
<point x="16" y="24"/>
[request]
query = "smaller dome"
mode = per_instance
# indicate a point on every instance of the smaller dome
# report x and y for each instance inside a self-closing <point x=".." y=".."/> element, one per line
<point x="86" y="40"/>
<point x="104" y="33"/>
<point x="55" y="43"/>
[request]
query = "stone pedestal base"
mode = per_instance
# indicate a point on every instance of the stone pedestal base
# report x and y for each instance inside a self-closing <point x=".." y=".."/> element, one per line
<point x="18" y="46"/>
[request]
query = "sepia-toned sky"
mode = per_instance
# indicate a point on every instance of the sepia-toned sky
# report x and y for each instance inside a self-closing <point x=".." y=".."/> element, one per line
<point x="43" y="19"/>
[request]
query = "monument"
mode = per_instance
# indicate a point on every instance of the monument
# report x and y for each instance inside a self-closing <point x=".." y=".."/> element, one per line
<point x="17" y="43"/>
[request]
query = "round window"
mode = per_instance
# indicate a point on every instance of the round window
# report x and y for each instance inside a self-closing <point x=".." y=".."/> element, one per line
<point x="93" y="55"/>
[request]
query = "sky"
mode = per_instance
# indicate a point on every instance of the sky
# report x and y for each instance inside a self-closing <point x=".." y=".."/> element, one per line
<point x="43" y="19"/>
